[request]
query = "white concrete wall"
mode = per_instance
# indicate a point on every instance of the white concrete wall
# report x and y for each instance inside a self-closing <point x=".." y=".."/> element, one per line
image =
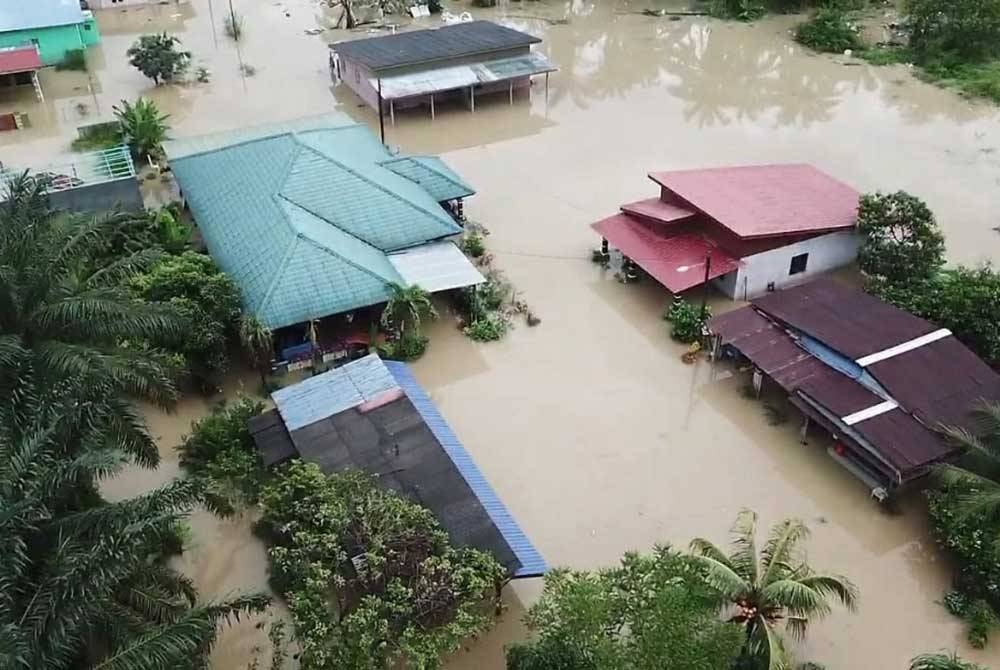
<point x="826" y="253"/>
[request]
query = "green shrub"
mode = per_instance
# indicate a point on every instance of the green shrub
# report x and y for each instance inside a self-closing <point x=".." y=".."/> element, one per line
<point x="488" y="328"/>
<point x="967" y="30"/>
<point x="686" y="320"/>
<point x="220" y="452"/>
<point x="98" y="137"/>
<point x="972" y="539"/>
<point x="742" y="10"/>
<point x="828" y="30"/>
<point x="409" y="347"/>
<point x="885" y="55"/>
<point x="473" y="245"/>
<point x="75" y="59"/>
<point x="371" y="580"/>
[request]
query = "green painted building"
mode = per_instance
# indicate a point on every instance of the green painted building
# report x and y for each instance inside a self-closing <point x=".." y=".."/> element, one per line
<point x="54" y="26"/>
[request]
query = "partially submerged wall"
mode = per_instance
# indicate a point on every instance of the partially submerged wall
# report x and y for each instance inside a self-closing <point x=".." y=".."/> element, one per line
<point x="121" y="194"/>
<point x="825" y="253"/>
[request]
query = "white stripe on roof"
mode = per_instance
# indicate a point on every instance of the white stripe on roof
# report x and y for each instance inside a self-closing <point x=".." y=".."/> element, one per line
<point x="915" y="343"/>
<point x="870" y="412"/>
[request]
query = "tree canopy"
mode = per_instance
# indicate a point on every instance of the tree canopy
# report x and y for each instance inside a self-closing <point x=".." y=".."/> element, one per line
<point x="968" y="30"/>
<point x="651" y="611"/>
<point x="902" y="241"/>
<point x="158" y="57"/>
<point x="370" y="577"/>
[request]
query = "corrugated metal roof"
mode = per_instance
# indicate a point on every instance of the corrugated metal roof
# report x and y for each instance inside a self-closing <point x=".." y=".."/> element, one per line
<point x="453" y="77"/>
<point x="28" y="14"/>
<point x="20" y="59"/>
<point x="532" y="563"/>
<point x="439" y="266"/>
<point x="332" y="392"/>
<point x="431" y="173"/>
<point x="422" y="46"/>
<point x="181" y="147"/>
<point x="302" y="214"/>
<point x="676" y="261"/>
<point x="766" y="200"/>
<point x="655" y="210"/>
<point x="848" y="320"/>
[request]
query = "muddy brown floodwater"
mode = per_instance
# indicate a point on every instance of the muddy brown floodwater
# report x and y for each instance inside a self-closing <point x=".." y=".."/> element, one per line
<point x="591" y="429"/>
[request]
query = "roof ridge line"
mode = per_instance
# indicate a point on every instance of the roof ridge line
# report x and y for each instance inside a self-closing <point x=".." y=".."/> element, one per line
<point x="374" y="184"/>
<point x="285" y="260"/>
<point x="332" y="252"/>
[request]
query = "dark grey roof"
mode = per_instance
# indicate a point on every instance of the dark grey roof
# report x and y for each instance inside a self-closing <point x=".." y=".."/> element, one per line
<point x="393" y="443"/>
<point x="422" y="46"/>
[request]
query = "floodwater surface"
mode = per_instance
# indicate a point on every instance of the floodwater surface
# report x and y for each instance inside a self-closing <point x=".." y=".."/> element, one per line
<point x="591" y="429"/>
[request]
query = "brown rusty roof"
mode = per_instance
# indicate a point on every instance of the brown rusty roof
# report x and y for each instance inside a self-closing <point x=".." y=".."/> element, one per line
<point x="843" y="318"/>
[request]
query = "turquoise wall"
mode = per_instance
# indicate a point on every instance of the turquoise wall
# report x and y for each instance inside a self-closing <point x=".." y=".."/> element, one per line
<point x="55" y="41"/>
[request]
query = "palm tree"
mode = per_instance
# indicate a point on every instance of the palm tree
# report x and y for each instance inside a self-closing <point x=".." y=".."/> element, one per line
<point x="85" y="583"/>
<point x="258" y="343"/>
<point x="144" y="127"/>
<point x="405" y="309"/>
<point x="775" y="586"/>
<point x="978" y="472"/>
<point x="66" y="321"/>
<point x="942" y="662"/>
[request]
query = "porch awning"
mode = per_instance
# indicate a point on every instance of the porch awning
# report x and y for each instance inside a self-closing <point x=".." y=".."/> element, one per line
<point x="17" y="59"/>
<point x="437" y="266"/>
<point x="676" y="261"/>
<point x="462" y="76"/>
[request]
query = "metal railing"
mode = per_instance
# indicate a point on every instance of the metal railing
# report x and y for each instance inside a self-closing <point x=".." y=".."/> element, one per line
<point x="84" y="169"/>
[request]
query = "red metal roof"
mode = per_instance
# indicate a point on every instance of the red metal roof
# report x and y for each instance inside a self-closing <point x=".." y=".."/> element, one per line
<point x="20" y="59"/>
<point x="656" y="210"/>
<point x="677" y="261"/>
<point x="766" y="200"/>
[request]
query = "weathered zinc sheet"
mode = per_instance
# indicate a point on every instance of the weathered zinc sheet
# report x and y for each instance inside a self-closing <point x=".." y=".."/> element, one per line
<point x="461" y="76"/>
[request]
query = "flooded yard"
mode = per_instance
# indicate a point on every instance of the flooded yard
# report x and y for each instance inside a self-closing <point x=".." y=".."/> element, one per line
<point x="591" y="429"/>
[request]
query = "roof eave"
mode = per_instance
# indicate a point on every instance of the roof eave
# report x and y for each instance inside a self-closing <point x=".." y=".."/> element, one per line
<point x="386" y="68"/>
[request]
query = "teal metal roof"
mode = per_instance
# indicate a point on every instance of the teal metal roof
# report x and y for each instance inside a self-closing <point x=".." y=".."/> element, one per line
<point x="433" y="176"/>
<point x="302" y="216"/>
<point x="28" y="14"/>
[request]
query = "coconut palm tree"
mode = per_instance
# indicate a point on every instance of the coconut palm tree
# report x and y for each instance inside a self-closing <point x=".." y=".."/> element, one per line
<point x="406" y="308"/>
<point x="67" y="321"/>
<point x="942" y="662"/>
<point x="777" y="586"/>
<point x="978" y="471"/>
<point x="144" y="127"/>
<point x="258" y="344"/>
<point x="85" y="583"/>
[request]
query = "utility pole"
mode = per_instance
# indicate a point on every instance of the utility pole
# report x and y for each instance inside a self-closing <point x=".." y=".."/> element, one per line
<point x="211" y="17"/>
<point x="381" y="113"/>
<point x="704" y="294"/>
<point x="236" y="38"/>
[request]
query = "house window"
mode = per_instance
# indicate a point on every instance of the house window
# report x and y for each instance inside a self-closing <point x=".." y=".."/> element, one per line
<point x="86" y="26"/>
<point x="798" y="264"/>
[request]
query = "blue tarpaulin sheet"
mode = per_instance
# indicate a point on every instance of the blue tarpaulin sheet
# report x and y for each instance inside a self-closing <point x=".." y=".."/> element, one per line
<point x="532" y="563"/>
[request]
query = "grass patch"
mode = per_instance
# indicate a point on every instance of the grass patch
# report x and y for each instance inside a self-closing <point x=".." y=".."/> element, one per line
<point x="98" y="137"/>
<point x="828" y="30"/>
<point x="977" y="80"/>
<point x="885" y="55"/>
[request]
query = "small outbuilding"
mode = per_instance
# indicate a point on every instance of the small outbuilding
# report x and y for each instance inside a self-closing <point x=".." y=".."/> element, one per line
<point x="55" y="27"/>
<point x="464" y="60"/>
<point x="748" y="229"/>
<point x="881" y="381"/>
<point x="374" y="416"/>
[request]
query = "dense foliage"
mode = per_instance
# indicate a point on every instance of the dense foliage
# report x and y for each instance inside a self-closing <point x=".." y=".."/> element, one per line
<point x="942" y="661"/>
<point x="193" y="286"/>
<point x="828" y="29"/>
<point x="687" y="322"/>
<point x="370" y="578"/>
<point x="773" y="588"/>
<point x="158" y="57"/>
<point x="902" y="240"/>
<point x="143" y="127"/>
<point x="957" y="30"/>
<point x="651" y="611"/>
<point x="220" y="453"/>
<point x="964" y="300"/>
<point x="66" y="323"/>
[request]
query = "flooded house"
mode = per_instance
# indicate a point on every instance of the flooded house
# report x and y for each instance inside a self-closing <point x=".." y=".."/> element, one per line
<point x="94" y="181"/>
<point x="316" y="218"/>
<point x="374" y="416"/>
<point x="747" y="230"/>
<point x="55" y="27"/>
<point x="879" y="380"/>
<point x="462" y="60"/>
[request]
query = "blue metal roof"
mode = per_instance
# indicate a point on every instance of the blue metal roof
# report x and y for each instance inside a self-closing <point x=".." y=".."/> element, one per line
<point x="432" y="174"/>
<point x="29" y="14"/>
<point x="532" y="563"/>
